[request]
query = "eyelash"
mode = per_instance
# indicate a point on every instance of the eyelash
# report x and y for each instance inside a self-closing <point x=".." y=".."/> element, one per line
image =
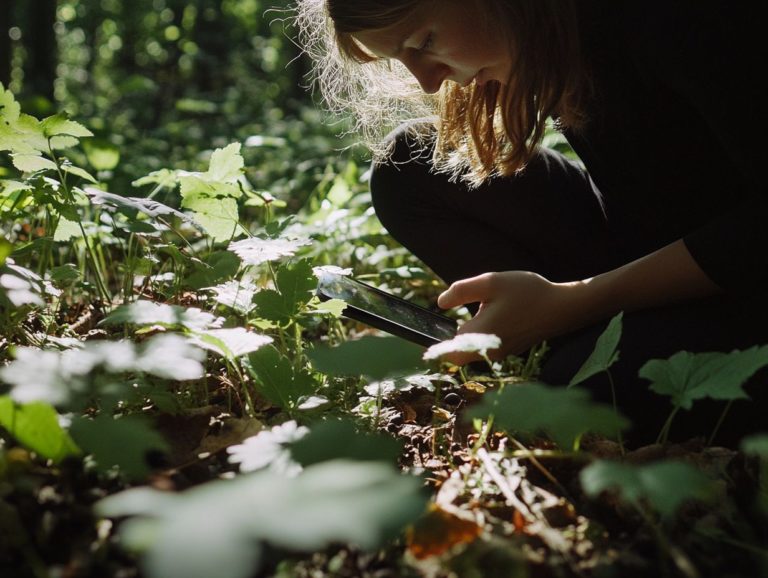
<point x="427" y="44"/>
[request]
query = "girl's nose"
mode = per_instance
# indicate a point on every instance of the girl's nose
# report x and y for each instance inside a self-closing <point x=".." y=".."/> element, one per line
<point x="430" y="75"/>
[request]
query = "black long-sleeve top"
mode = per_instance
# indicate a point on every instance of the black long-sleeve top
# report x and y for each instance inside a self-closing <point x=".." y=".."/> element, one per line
<point x="675" y="137"/>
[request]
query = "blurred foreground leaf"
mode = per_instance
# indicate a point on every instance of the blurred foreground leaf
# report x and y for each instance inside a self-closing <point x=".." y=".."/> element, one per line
<point x="36" y="427"/>
<point x="122" y="442"/>
<point x="663" y="485"/>
<point x="277" y="379"/>
<point x="216" y="529"/>
<point x="563" y="414"/>
<point x="375" y="357"/>
<point x="338" y="439"/>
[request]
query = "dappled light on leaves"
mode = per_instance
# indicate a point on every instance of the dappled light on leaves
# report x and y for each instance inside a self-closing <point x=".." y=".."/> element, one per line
<point x="466" y="342"/>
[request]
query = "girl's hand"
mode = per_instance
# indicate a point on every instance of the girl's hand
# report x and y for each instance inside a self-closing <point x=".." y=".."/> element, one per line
<point x="520" y="307"/>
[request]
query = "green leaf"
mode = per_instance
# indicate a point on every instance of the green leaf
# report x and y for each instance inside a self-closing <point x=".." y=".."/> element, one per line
<point x="606" y="352"/>
<point x="375" y="357"/>
<point x="296" y="284"/>
<point x="329" y="503"/>
<point x="216" y="267"/>
<point x="36" y="427"/>
<point x="563" y="414"/>
<point x="122" y="442"/>
<point x="231" y="343"/>
<point x="333" y="307"/>
<point x="226" y="164"/>
<point x="340" y="439"/>
<point x="131" y="205"/>
<point x="5" y="250"/>
<point x="277" y="380"/>
<point x="60" y="124"/>
<point x="31" y="163"/>
<point x="145" y="313"/>
<point x="66" y="230"/>
<point x="218" y="216"/>
<point x="665" y="486"/>
<point x="271" y="305"/>
<point x="756" y="445"/>
<point x="686" y="377"/>
<point x="78" y="172"/>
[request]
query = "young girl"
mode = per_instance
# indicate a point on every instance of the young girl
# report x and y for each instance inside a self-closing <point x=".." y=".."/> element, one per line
<point x="665" y="217"/>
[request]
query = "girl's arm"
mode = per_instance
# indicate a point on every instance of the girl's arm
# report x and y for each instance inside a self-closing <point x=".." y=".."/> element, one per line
<point x="524" y="308"/>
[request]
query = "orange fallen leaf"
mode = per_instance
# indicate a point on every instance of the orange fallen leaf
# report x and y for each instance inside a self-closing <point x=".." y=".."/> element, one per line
<point x="438" y="531"/>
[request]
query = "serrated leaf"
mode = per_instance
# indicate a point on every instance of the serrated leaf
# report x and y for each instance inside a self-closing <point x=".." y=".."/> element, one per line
<point x="78" y="172"/>
<point x="341" y="439"/>
<point x="36" y="427"/>
<point x="193" y="187"/>
<point x="122" y="442"/>
<point x="665" y="486"/>
<point x="605" y="354"/>
<point x="231" y="343"/>
<point x="686" y="377"/>
<point x="226" y="164"/>
<point x="375" y="357"/>
<point x="164" y="179"/>
<point x="563" y="414"/>
<point x="144" y="313"/>
<point x="255" y="251"/>
<point x="333" y="307"/>
<point x="130" y="205"/>
<point x="71" y="378"/>
<point x="296" y="285"/>
<point x="31" y="163"/>
<point x="269" y="448"/>
<point x="271" y="305"/>
<point x="277" y="380"/>
<point x="60" y="123"/>
<point x="219" y="217"/>
<point x="329" y="503"/>
<point x="66" y="230"/>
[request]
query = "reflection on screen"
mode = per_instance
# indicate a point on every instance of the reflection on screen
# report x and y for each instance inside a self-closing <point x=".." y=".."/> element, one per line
<point x="363" y="297"/>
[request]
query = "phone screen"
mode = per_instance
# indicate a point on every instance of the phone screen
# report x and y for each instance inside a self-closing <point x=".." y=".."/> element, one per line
<point x="387" y="312"/>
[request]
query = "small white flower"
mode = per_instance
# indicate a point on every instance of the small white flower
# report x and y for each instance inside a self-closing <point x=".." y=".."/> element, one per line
<point x="267" y="448"/>
<point x="255" y="251"/>
<point x="478" y="342"/>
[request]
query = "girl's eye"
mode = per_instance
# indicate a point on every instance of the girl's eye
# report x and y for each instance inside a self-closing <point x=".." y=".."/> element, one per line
<point x="427" y="44"/>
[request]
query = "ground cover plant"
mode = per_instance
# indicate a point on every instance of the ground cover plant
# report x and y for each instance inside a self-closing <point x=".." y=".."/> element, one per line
<point x="177" y="402"/>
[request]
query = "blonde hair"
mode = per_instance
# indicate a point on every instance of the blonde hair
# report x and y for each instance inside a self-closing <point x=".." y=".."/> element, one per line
<point x="482" y="131"/>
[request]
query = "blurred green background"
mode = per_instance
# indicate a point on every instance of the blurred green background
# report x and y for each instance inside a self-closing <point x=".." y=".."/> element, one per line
<point x="162" y="82"/>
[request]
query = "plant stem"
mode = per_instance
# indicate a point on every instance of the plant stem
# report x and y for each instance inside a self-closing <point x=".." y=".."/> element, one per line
<point x="664" y="433"/>
<point x="720" y="421"/>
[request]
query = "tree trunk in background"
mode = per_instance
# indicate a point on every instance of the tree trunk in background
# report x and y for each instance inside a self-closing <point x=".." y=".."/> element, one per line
<point x="6" y="10"/>
<point x="40" y="41"/>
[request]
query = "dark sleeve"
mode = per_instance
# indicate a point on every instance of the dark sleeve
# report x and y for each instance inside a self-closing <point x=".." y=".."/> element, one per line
<point x="711" y="53"/>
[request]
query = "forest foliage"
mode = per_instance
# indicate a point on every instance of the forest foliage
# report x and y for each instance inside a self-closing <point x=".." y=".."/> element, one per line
<point x="175" y="400"/>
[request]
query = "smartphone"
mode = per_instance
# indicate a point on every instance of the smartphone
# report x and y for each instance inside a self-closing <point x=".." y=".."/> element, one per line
<point x="385" y="311"/>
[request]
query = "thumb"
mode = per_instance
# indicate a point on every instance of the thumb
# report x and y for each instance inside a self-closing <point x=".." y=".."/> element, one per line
<point x="472" y="290"/>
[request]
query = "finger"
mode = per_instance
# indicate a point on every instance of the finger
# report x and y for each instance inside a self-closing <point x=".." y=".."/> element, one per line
<point x="465" y="291"/>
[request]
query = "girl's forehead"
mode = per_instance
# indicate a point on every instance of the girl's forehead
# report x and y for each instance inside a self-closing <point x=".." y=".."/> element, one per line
<point x="389" y="42"/>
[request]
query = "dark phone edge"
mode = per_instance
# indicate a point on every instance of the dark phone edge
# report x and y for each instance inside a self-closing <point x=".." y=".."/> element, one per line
<point x="385" y="324"/>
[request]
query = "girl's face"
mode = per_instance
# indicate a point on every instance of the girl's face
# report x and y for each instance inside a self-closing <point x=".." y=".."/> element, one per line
<point x="444" y="40"/>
